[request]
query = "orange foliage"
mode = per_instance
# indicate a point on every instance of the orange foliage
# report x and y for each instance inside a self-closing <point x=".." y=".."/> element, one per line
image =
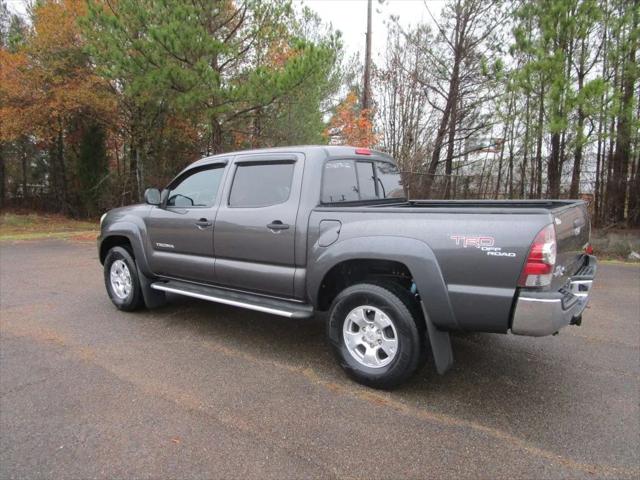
<point x="351" y="125"/>
<point x="279" y="53"/>
<point x="49" y="80"/>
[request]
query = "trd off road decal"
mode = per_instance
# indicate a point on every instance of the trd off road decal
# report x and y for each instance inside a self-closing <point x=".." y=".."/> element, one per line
<point x="484" y="243"/>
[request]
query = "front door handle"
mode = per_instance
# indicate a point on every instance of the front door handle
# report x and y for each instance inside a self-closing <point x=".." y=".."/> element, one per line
<point x="277" y="225"/>
<point x="203" y="223"/>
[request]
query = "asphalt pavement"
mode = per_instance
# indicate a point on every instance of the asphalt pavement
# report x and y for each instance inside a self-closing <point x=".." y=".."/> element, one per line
<point x="201" y="390"/>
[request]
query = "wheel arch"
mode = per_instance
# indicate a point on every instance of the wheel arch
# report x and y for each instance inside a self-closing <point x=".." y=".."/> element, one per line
<point x="126" y="234"/>
<point x="355" y="270"/>
<point x="111" y="241"/>
<point x="418" y="259"/>
<point x="409" y="255"/>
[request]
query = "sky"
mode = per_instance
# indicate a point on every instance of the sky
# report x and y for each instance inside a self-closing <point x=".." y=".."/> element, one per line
<point x="350" y="17"/>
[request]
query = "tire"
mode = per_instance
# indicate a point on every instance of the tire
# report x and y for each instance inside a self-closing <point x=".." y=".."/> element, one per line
<point x="370" y="356"/>
<point x="126" y="296"/>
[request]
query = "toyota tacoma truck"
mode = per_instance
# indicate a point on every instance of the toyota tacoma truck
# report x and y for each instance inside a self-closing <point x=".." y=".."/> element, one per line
<point x="300" y="230"/>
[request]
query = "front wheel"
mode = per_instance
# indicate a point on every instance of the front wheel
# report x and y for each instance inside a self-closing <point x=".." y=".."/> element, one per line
<point x="121" y="279"/>
<point x="375" y="335"/>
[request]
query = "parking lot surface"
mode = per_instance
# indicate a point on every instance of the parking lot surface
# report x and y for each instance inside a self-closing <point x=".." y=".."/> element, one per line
<point x="201" y="390"/>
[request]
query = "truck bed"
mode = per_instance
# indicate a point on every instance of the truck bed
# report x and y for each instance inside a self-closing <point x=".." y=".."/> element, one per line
<point x="481" y="287"/>
<point x="509" y="204"/>
<point x="466" y="206"/>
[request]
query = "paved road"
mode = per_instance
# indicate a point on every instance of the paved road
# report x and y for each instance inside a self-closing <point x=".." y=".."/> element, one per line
<point x="202" y="390"/>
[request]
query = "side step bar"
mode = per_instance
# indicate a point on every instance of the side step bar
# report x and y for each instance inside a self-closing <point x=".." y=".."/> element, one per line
<point x="249" y="301"/>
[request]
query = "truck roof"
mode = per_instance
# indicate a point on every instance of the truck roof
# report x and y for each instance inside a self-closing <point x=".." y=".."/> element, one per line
<point x="330" y="151"/>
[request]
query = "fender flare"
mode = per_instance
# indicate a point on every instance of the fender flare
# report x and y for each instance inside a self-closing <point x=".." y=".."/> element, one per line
<point x="419" y="258"/>
<point x="134" y="233"/>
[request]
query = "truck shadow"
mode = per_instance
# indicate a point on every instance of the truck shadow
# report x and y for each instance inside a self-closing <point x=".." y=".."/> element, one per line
<point x="495" y="378"/>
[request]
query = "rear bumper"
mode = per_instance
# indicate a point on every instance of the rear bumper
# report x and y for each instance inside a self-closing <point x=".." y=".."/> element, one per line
<point x="537" y="314"/>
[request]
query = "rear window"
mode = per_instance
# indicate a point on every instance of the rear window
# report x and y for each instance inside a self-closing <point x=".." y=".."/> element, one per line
<point x="389" y="180"/>
<point x="354" y="180"/>
<point x="261" y="184"/>
<point x="340" y="183"/>
<point x="366" y="181"/>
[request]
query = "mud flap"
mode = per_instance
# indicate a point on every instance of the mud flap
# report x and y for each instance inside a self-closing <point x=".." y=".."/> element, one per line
<point x="440" y="345"/>
<point x="152" y="298"/>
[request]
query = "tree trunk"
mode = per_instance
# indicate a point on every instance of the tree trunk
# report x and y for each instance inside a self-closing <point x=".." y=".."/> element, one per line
<point x="450" y="148"/>
<point x="624" y="132"/>
<point x="452" y="99"/>
<point x="139" y="175"/>
<point x="511" y="156"/>
<point x="2" y="177"/>
<point x="539" y="144"/>
<point x="133" y="159"/>
<point x="23" y="163"/>
<point x="634" y="185"/>
<point x="553" y="175"/>
<point x="574" y="191"/>
<point x="63" y="187"/>
<point x="596" y="190"/>
<point x="216" y="136"/>
<point x="437" y="146"/>
<point x="525" y="153"/>
<point x="366" y="90"/>
<point x="500" y="160"/>
<point x="634" y="196"/>
<point x="577" y="157"/>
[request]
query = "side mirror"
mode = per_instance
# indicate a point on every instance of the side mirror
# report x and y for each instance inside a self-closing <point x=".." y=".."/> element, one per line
<point x="152" y="196"/>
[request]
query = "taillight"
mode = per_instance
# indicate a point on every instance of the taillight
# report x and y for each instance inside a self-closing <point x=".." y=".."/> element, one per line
<point x="363" y="151"/>
<point x="538" y="269"/>
<point x="588" y="249"/>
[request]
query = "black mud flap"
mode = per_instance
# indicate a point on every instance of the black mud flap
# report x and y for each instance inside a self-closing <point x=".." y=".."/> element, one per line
<point x="440" y="342"/>
<point x="152" y="298"/>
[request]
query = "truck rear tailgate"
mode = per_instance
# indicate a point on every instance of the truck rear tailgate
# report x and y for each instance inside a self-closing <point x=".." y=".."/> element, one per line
<point x="573" y="229"/>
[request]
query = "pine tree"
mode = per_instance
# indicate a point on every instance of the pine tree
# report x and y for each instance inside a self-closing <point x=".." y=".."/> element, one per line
<point x="202" y="57"/>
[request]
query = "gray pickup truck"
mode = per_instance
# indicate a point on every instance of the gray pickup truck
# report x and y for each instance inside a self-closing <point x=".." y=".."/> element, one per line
<point x="293" y="231"/>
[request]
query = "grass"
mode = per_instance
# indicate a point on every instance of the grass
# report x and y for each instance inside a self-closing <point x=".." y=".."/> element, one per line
<point x="33" y="226"/>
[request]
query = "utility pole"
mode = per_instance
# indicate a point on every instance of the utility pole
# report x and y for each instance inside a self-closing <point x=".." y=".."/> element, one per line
<point x="366" y="90"/>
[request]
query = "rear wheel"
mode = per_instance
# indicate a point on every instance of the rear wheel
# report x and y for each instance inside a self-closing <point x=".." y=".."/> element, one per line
<point x="121" y="279"/>
<point x="375" y="335"/>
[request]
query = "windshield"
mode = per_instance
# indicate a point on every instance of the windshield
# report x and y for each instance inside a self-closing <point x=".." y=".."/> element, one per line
<point x="359" y="180"/>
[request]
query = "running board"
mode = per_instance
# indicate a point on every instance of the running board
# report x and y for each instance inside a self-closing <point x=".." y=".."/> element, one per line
<point x="274" y="306"/>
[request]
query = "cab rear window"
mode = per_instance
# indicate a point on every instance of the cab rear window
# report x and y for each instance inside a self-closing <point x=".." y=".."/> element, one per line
<point x="354" y="180"/>
<point x="340" y="183"/>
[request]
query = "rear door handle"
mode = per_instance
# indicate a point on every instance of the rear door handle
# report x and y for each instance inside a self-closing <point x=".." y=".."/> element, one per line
<point x="277" y="225"/>
<point x="203" y="223"/>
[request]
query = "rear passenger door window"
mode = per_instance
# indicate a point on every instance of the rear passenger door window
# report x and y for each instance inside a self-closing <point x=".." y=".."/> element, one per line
<point x="261" y="184"/>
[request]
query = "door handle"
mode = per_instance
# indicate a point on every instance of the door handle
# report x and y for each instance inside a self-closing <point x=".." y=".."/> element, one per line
<point x="203" y="223"/>
<point x="277" y="225"/>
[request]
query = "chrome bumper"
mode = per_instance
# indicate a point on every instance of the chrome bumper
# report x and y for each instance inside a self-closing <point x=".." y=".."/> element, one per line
<point x="537" y="314"/>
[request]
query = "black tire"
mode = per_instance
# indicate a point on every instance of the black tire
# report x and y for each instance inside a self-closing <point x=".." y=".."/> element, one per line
<point x="413" y="305"/>
<point x="133" y="299"/>
<point x="403" y="312"/>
